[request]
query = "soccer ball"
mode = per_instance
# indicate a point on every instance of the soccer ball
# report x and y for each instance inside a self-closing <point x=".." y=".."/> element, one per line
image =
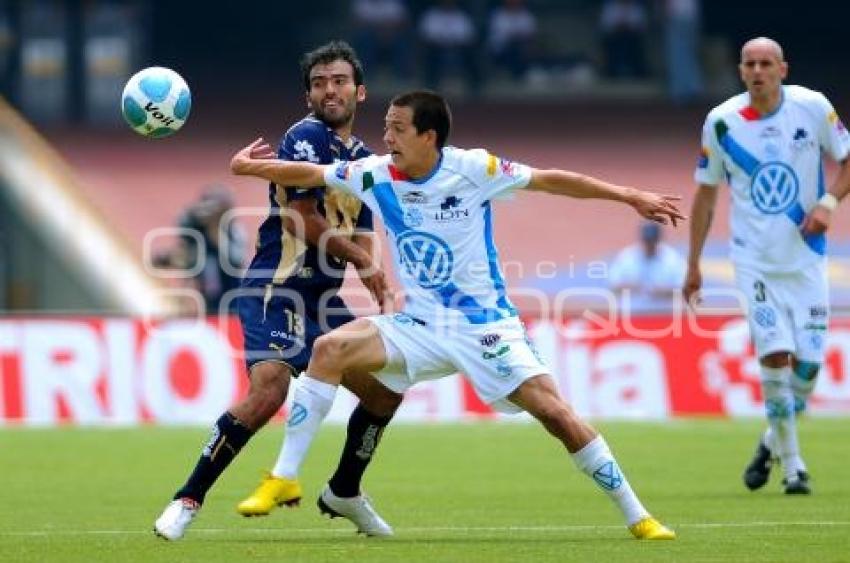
<point x="156" y="102"/>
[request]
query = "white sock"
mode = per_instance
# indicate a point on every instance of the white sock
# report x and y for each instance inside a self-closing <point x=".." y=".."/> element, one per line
<point x="779" y="407"/>
<point x="596" y="460"/>
<point x="310" y="405"/>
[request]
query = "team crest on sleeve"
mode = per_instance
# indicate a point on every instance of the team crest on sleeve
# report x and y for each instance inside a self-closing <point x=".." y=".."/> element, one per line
<point x="836" y="122"/>
<point x="305" y="151"/>
<point x="342" y="170"/>
<point x="508" y="167"/>
<point x="704" y="154"/>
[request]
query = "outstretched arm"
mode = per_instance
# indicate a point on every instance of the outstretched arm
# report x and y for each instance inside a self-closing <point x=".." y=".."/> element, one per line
<point x="258" y="159"/>
<point x="656" y="207"/>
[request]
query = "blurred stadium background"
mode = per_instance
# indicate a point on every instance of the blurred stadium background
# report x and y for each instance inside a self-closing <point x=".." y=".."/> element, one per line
<point x="88" y="209"/>
<point x="97" y="329"/>
<point x="92" y="334"/>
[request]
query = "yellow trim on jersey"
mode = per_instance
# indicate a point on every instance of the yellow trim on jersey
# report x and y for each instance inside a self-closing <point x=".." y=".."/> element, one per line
<point x="492" y="165"/>
<point x="292" y="248"/>
<point x="341" y="209"/>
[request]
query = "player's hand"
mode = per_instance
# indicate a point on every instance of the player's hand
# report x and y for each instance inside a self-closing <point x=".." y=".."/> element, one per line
<point x="660" y="208"/>
<point x="690" y="290"/>
<point x="258" y="150"/>
<point x="375" y="281"/>
<point x="817" y="221"/>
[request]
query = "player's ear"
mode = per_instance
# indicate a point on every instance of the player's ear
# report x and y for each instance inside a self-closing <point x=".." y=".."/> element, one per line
<point x="783" y="70"/>
<point x="431" y="137"/>
<point x="307" y="100"/>
<point x="361" y="93"/>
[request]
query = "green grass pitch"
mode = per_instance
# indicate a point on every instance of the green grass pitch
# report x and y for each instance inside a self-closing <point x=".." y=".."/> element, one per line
<point x="485" y="492"/>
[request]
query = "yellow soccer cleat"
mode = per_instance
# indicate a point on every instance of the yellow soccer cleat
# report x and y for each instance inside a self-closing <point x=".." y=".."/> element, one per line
<point x="273" y="491"/>
<point x="651" y="529"/>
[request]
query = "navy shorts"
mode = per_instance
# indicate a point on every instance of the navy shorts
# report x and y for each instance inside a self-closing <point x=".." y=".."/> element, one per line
<point x="283" y="326"/>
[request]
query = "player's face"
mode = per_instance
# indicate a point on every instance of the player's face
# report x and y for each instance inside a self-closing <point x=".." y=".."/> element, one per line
<point x="411" y="151"/>
<point x="762" y="70"/>
<point x="333" y="95"/>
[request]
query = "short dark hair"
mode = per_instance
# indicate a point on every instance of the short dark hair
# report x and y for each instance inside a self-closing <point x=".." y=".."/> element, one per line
<point x="430" y="111"/>
<point x="328" y="53"/>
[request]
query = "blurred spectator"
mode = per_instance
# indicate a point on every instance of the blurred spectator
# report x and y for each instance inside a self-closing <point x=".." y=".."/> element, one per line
<point x="108" y="31"/>
<point x="449" y="40"/>
<point x="647" y="276"/>
<point x="43" y="82"/>
<point x="681" y="38"/>
<point x="220" y="261"/>
<point x="382" y="35"/>
<point x="624" y="25"/>
<point x="512" y="32"/>
<point x="7" y="44"/>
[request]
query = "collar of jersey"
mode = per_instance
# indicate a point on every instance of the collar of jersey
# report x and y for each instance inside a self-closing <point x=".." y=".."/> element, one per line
<point x="430" y="174"/>
<point x="774" y="112"/>
<point x="352" y="140"/>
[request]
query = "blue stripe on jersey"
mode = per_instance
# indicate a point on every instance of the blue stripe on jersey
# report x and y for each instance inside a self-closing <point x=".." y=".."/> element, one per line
<point x="739" y="155"/>
<point x="390" y="209"/>
<point x="493" y="261"/>
<point x="748" y="163"/>
<point x="453" y="298"/>
<point x="450" y="295"/>
<point x="816" y="242"/>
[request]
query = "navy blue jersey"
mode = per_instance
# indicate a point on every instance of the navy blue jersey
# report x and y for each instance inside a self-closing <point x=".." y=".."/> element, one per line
<point x="284" y="260"/>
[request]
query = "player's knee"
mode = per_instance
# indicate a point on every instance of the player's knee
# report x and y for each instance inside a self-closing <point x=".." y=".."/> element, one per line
<point x="331" y="349"/>
<point x="551" y="412"/>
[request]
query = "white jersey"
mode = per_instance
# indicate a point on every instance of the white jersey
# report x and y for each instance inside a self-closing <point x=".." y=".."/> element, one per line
<point x="774" y="167"/>
<point x="440" y="230"/>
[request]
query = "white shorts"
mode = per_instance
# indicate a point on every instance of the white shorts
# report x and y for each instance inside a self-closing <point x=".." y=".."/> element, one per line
<point x="787" y="312"/>
<point x="495" y="357"/>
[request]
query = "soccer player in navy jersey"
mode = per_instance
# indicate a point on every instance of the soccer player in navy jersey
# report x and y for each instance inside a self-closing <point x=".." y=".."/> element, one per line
<point x="289" y="298"/>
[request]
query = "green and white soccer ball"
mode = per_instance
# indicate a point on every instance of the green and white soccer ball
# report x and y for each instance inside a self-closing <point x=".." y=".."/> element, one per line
<point x="156" y="102"/>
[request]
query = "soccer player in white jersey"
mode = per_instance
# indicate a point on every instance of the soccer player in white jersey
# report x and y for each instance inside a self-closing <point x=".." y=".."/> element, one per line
<point x="767" y="145"/>
<point x="436" y="204"/>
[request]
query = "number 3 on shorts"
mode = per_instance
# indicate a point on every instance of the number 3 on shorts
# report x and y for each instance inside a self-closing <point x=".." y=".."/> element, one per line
<point x="759" y="287"/>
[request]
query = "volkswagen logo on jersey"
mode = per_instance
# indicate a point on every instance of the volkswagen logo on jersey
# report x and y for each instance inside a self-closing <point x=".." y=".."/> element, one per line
<point x="428" y="259"/>
<point x="774" y="188"/>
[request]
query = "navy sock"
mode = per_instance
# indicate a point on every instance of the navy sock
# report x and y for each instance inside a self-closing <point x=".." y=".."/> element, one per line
<point x="364" y="433"/>
<point x="228" y="437"/>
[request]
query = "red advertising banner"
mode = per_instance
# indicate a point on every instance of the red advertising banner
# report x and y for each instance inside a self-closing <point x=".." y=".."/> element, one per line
<point x="104" y="371"/>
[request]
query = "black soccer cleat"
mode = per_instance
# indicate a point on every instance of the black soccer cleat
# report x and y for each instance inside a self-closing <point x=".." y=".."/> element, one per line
<point x="758" y="471"/>
<point x="798" y="486"/>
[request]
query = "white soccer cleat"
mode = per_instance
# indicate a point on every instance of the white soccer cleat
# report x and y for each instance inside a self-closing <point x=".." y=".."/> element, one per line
<point x="356" y="509"/>
<point x="172" y="523"/>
